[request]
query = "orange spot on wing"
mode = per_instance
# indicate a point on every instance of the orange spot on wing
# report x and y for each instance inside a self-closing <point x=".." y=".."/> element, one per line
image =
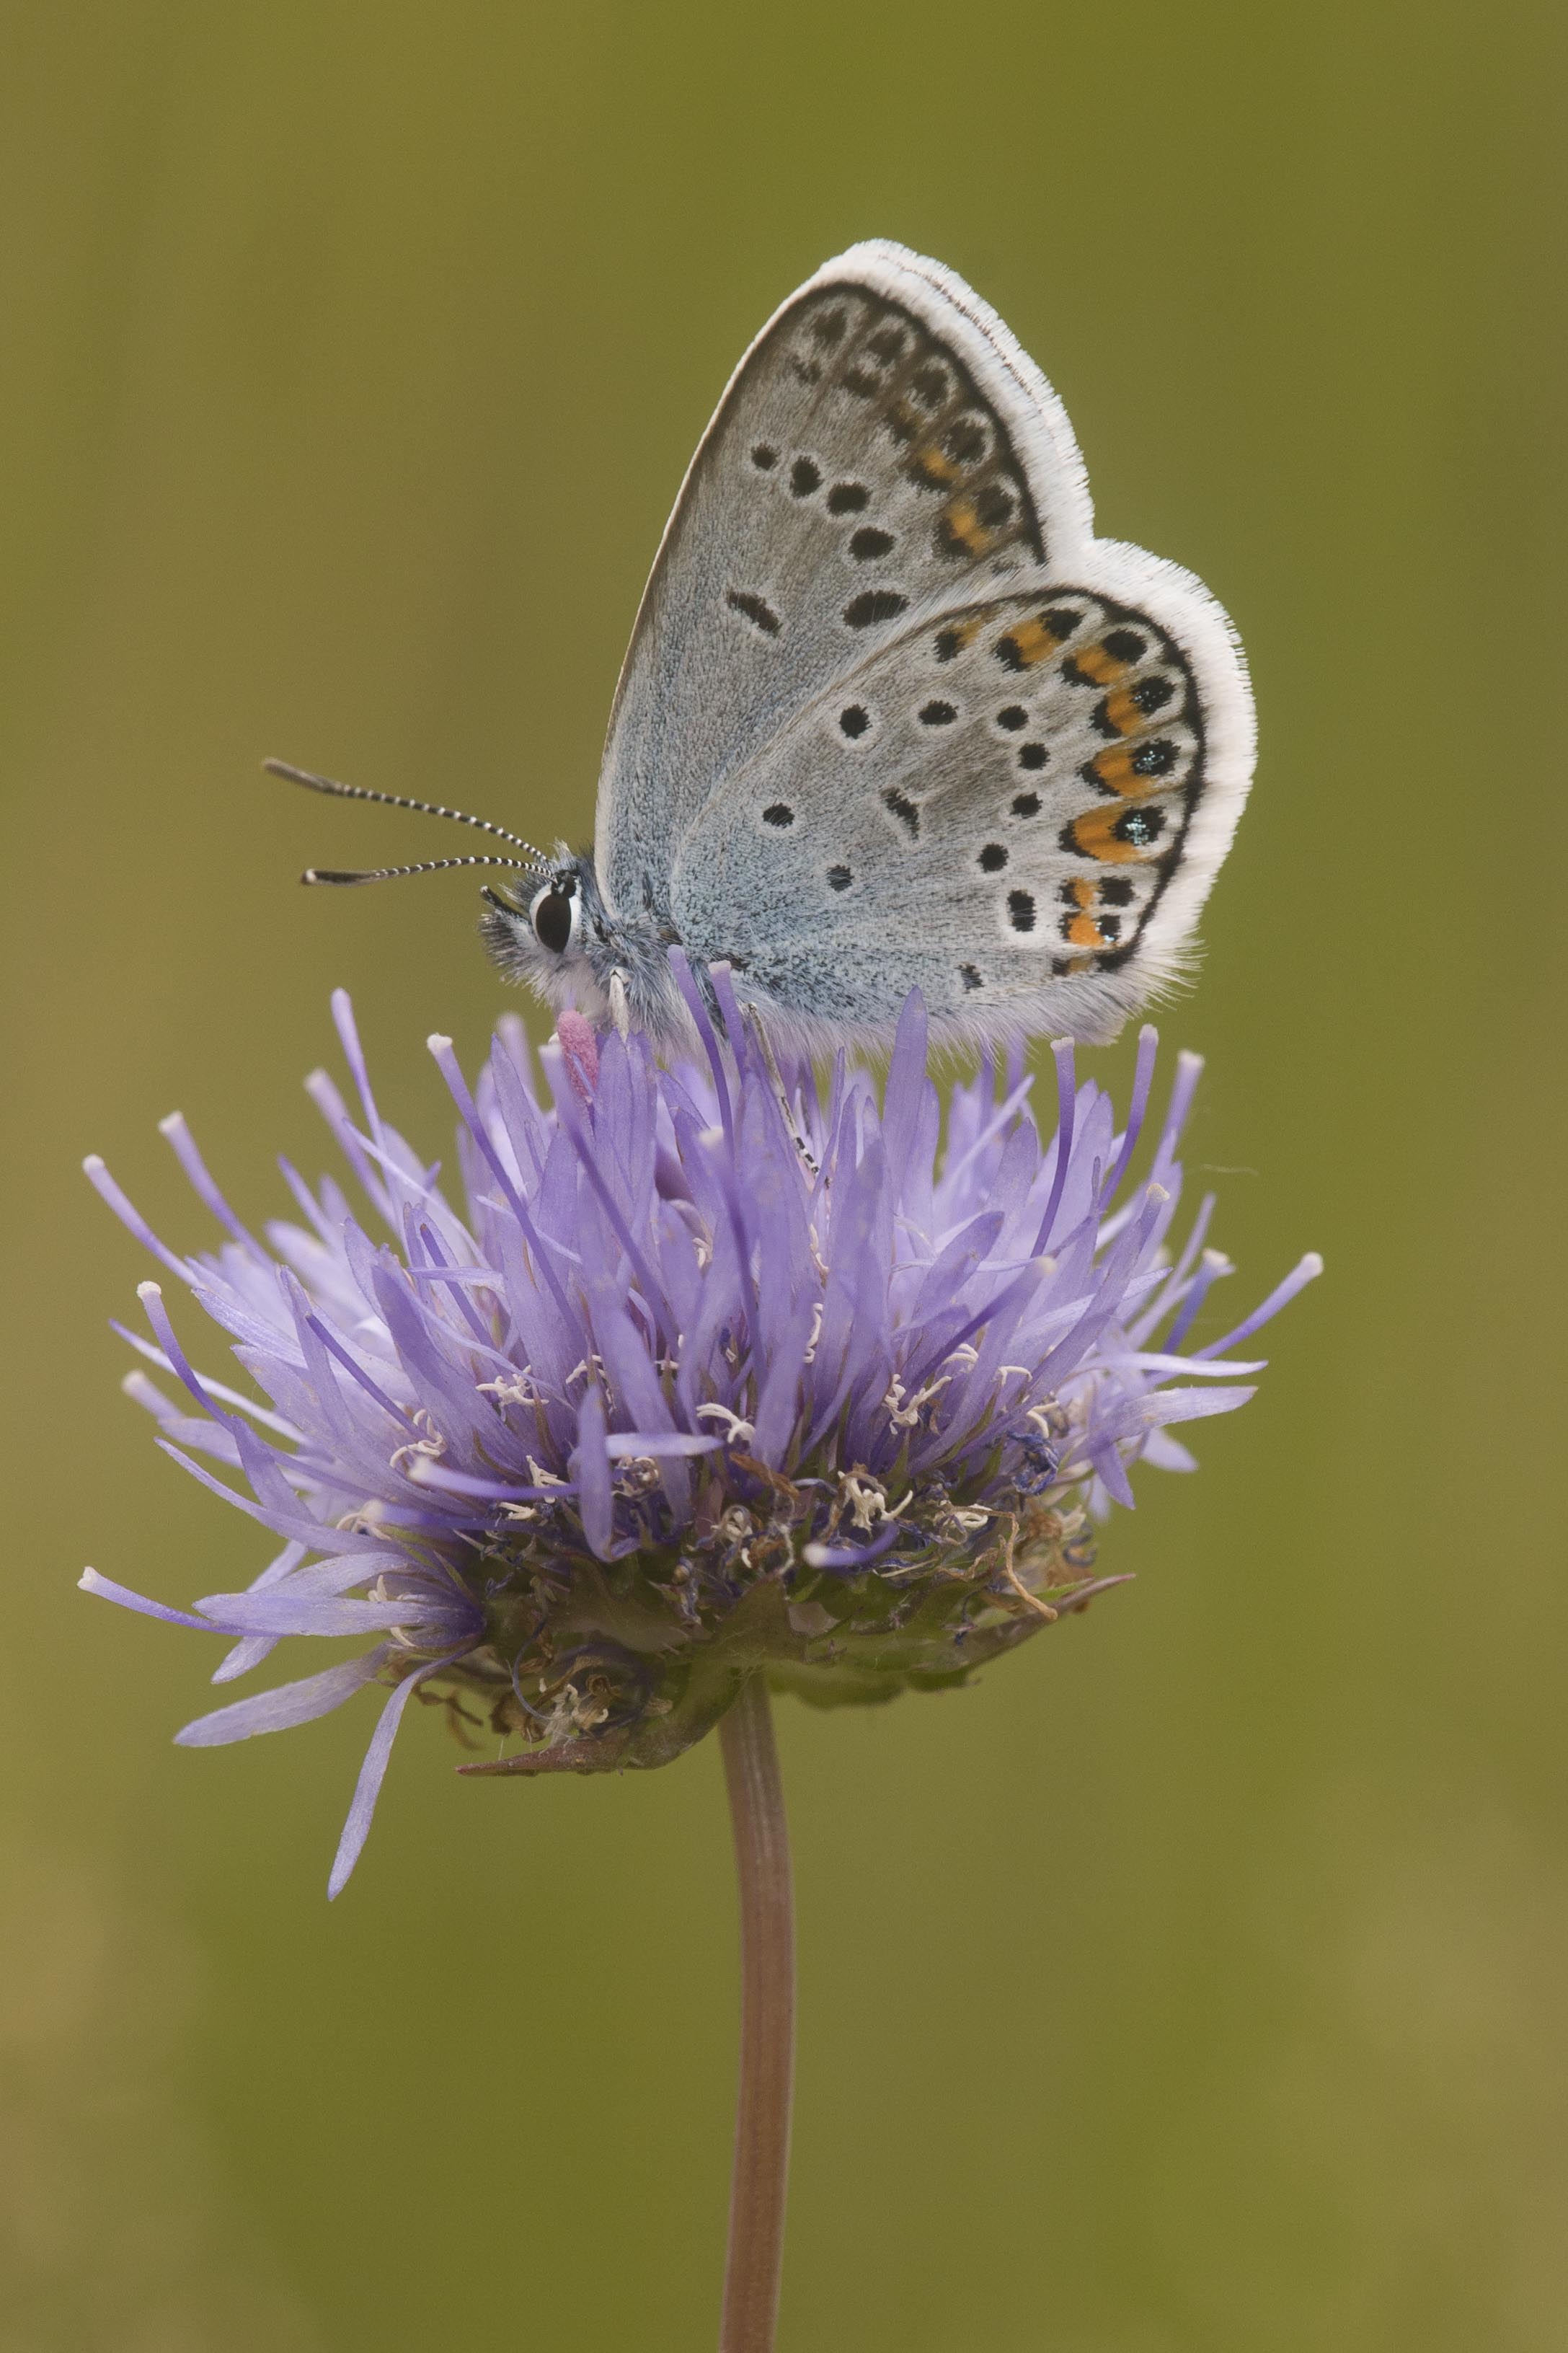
<point x="1114" y="771"/>
<point x="1031" y="641"/>
<point x="1083" y="932"/>
<point x="965" y="525"/>
<point x="1121" y="713"/>
<point x="1084" y="892"/>
<point x="932" y="467"/>
<point x="1095" y="835"/>
<point x="1104" y="667"/>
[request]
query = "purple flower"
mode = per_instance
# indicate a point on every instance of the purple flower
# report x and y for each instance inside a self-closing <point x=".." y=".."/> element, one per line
<point x="712" y="1370"/>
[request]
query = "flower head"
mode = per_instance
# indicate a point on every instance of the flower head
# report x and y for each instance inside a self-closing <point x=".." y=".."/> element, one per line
<point x="713" y="1369"/>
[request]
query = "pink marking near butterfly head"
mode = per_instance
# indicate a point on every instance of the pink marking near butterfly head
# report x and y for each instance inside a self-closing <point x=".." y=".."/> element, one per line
<point x="580" y="1051"/>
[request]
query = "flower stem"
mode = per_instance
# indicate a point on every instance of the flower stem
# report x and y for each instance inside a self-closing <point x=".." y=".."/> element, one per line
<point x="767" y="2023"/>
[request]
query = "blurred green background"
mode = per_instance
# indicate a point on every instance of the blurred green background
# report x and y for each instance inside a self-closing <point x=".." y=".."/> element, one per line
<point x="1197" y="1982"/>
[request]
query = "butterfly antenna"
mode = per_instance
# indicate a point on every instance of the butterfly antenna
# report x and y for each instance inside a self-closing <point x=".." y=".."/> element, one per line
<point x="426" y="866"/>
<point x="397" y="800"/>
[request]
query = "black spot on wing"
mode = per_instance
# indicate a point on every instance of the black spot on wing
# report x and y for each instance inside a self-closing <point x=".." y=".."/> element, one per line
<point x="1140" y="826"/>
<point x="1156" y="759"/>
<point x="756" y="610"/>
<point x="904" y="810"/>
<point x="874" y="605"/>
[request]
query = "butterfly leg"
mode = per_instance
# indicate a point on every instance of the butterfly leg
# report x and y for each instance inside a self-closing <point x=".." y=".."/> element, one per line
<point x="620" y="1009"/>
<point x="765" y="1046"/>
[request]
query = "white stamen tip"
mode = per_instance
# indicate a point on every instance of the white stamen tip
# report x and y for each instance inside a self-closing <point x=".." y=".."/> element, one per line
<point x="149" y="1291"/>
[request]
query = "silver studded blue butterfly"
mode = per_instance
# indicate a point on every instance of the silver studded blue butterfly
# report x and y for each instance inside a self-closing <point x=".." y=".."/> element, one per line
<point x="893" y="717"/>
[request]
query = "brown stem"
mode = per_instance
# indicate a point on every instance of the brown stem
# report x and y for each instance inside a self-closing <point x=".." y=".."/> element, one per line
<point x="767" y="2023"/>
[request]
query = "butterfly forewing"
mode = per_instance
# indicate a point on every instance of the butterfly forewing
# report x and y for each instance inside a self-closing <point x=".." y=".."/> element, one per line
<point x="989" y="808"/>
<point x="883" y="450"/>
<point x="893" y="717"/>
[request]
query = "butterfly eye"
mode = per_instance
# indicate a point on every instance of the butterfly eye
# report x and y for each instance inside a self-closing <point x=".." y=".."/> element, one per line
<point x="553" y="915"/>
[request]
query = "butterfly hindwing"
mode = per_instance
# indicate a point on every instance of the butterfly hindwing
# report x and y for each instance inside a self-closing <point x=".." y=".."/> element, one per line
<point x="993" y="808"/>
<point x="884" y="448"/>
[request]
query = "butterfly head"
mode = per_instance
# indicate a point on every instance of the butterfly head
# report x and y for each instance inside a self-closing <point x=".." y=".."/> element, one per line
<point x="556" y="932"/>
<point x="539" y="929"/>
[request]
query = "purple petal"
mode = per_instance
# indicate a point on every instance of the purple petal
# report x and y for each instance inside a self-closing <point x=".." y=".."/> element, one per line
<point x="104" y="1186"/>
<point x="632" y="1442"/>
<point x="1305" y="1272"/>
<point x="1066" y="1101"/>
<point x="686" y="981"/>
<point x="252" y="1648"/>
<point x="285" y="1610"/>
<point x="289" y="1703"/>
<point x="1142" y="1082"/>
<point x="425" y="1472"/>
<point x="297" y="1525"/>
<point x="1190" y="1405"/>
<point x="324" y="1095"/>
<point x="373" y="1772"/>
<point x="851" y="1555"/>
<point x="446" y="1063"/>
<point x="105" y="1588"/>
<point x="590" y="1466"/>
<point x="174" y="1130"/>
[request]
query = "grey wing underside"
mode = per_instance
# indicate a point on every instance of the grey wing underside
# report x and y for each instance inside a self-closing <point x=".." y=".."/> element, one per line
<point x="888" y="518"/>
<point x="884" y="448"/>
<point x="993" y="808"/>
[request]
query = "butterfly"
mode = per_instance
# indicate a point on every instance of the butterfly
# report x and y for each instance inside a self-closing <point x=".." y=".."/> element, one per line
<point x="892" y="717"/>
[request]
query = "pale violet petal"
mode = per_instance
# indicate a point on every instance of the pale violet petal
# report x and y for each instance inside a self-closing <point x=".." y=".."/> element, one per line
<point x="289" y="1703"/>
